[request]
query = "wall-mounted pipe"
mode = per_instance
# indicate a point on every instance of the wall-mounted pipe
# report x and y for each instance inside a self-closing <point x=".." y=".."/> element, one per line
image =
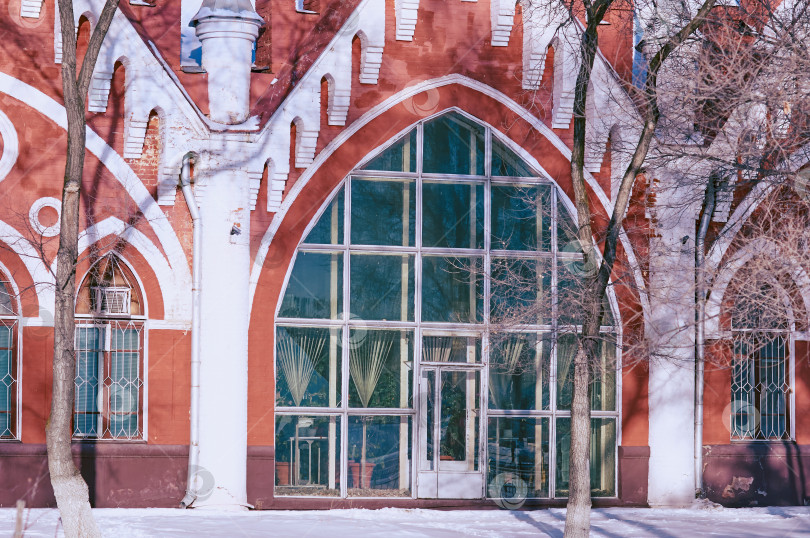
<point x="709" y="203"/>
<point x="196" y="272"/>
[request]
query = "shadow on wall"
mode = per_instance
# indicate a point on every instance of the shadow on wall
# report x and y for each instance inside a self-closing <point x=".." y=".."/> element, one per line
<point x="757" y="474"/>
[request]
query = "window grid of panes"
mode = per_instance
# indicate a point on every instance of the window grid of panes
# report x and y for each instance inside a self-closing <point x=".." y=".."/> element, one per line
<point x="8" y="362"/>
<point x="406" y="271"/>
<point x="109" y="382"/>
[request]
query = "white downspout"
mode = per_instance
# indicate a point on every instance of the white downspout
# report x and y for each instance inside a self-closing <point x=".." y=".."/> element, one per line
<point x="196" y="271"/>
<point x="700" y="326"/>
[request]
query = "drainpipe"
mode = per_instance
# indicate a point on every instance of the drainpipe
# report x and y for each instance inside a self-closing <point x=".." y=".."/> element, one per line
<point x="196" y="270"/>
<point x="700" y="325"/>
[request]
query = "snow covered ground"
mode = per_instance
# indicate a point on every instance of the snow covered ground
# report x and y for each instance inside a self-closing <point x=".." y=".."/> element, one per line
<point x="612" y="522"/>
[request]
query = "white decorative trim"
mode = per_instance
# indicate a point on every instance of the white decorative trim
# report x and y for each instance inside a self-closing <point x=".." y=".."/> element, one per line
<point x="40" y="274"/>
<point x="122" y="173"/>
<point x="502" y="16"/>
<point x="99" y="92"/>
<point x="30" y="8"/>
<point x="176" y="291"/>
<point x="401" y="96"/>
<point x="407" y="11"/>
<point x="566" y="69"/>
<point x="756" y="247"/>
<point x="255" y="181"/>
<point x="303" y="105"/>
<point x="36" y="224"/>
<point x="11" y="147"/>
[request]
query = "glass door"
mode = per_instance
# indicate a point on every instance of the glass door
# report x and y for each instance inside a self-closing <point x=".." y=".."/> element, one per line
<point x="449" y="433"/>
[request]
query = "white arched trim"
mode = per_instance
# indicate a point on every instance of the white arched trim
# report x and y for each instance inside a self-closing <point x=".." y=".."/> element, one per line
<point x="121" y="172"/>
<point x="11" y="148"/>
<point x="176" y="292"/>
<point x="40" y="274"/>
<point x="756" y="247"/>
<point x="408" y="93"/>
<point x="749" y="204"/>
<point x="138" y="282"/>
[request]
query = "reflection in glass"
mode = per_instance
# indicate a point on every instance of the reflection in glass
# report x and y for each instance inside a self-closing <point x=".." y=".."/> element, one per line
<point x="506" y="163"/>
<point x="379" y="456"/>
<point x="381" y="287"/>
<point x="458" y="445"/>
<point x="329" y="228"/>
<point x="315" y="289"/>
<point x="566" y="227"/>
<point x="383" y="212"/>
<point x="519" y="372"/>
<point x="452" y="215"/>
<point x="602" y="457"/>
<point x="517" y="447"/>
<point x="451" y="289"/>
<point x="462" y="349"/>
<point x="603" y="374"/>
<point x="453" y="145"/>
<point x="307" y="367"/>
<point x="571" y="282"/>
<point x="521" y="217"/>
<point x="399" y="157"/>
<point x="427" y="393"/>
<point x="380" y="366"/>
<point x="307" y="455"/>
<point x="521" y="290"/>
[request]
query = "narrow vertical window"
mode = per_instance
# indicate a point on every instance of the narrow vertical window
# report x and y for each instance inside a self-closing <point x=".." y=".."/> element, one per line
<point x="760" y="377"/>
<point x="8" y="362"/>
<point x="109" y="354"/>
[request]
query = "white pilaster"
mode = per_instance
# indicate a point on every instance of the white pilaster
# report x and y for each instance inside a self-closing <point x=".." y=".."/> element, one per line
<point x="224" y="333"/>
<point x="672" y="382"/>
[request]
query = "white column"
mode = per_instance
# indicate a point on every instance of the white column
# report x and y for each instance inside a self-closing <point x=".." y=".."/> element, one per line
<point x="671" y="331"/>
<point x="224" y="332"/>
<point x="227" y="37"/>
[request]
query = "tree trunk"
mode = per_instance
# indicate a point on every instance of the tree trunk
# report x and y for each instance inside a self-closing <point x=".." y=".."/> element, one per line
<point x="70" y="489"/>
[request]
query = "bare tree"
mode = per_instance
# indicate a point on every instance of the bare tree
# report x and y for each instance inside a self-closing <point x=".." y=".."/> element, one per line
<point x="70" y="489"/>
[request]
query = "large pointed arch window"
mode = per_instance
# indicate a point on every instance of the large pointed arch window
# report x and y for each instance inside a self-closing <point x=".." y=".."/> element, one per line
<point x="8" y="360"/>
<point x="395" y="361"/>
<point x="109" y="354"/>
